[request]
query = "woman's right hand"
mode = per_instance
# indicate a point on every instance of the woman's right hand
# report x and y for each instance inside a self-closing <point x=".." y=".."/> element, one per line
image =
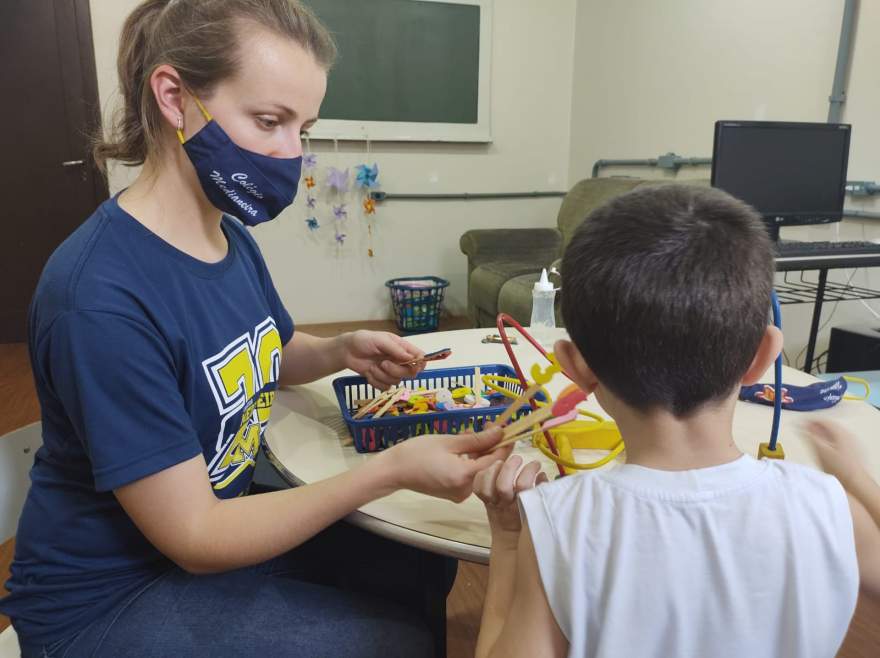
<point x="442" y="465"/>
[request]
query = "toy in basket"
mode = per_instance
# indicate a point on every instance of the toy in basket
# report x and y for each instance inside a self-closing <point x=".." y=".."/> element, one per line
<point x="436" y="401"/>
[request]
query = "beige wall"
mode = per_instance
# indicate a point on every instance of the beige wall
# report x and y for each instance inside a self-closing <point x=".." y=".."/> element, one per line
<point x="653" y="76"/>
<point x="531" y="117"/>
<point x="575" y="81"/>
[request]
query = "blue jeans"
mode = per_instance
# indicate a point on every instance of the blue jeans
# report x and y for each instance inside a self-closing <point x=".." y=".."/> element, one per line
<point x="344" y="593"/>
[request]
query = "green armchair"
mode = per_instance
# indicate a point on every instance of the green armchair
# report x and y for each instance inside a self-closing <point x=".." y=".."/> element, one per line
<point x="504" y="264"/>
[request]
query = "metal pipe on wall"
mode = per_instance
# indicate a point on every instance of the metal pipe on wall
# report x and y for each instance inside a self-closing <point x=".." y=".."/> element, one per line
<point x="667" y="161"/>
<point x="844" y="51"/>
<point x="463" y="196"/>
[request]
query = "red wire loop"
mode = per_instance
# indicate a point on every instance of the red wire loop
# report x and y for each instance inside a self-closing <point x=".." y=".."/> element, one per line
<point x="502" y="332"/>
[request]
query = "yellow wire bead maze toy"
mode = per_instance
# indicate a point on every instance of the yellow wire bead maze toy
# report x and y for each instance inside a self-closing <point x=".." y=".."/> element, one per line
<point x="553" y="428"/>
<point x="562" y="433"/>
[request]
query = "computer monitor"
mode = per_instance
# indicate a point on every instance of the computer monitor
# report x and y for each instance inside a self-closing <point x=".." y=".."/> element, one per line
<point x="791" y="173"/>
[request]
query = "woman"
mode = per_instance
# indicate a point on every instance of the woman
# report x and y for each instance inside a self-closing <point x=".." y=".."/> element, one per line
<point x="157" y="342"/>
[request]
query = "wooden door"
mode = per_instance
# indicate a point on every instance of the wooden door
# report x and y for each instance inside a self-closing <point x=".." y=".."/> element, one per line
<point x="49" y="111"/>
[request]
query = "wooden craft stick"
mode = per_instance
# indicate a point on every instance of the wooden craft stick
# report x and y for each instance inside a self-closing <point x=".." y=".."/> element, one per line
<point x="534" y="418"/>
<point x="529" y="393"/>
<point x="394" y="398"/>
<point x="518" y="437"/>
<point x="363" y="411"/>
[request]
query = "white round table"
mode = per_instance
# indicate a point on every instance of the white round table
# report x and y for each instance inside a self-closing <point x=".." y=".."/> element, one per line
<point x="307" y="441"/>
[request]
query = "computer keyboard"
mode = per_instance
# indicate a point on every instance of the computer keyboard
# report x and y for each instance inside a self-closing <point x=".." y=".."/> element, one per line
<point x="788" y="248"/>
<point x="791" y="255"/>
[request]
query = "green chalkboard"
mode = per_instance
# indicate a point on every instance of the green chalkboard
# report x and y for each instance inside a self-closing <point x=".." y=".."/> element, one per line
<point x="402" y="61"/>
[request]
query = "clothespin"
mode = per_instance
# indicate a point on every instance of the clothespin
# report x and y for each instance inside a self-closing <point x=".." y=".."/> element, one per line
<point x="562" y="411"/>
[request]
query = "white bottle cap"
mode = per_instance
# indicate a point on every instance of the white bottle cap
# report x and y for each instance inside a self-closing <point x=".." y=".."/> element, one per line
<point x="544" y="284"/>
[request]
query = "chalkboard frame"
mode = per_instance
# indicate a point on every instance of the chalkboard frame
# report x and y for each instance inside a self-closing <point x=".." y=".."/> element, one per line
<point x="394" y="131"/>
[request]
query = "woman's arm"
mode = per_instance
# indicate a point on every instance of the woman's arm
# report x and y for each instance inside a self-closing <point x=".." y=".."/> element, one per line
<point x="373" y="354"/>
<point x="177" y="511"/>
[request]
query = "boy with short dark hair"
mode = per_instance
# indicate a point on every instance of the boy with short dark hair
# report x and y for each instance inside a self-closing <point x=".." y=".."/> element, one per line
<point x="690" y="548"/>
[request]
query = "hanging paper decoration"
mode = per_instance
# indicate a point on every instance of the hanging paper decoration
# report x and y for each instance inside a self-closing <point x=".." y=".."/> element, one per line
<point x="367" y="176"/>
<point x="310" y="167"/>
<point x="340" y="212"/>
<point x="337" y="180"/>
<point x="367" y="179"/>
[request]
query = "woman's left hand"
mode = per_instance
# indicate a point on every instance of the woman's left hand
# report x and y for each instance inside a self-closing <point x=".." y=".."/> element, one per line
<point x="376" y="355"/>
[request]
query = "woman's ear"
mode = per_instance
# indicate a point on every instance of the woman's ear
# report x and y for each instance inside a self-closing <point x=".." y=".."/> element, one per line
<point x="574" y="365"/>
<point x="167" y="89"/>
<point x="768" y="350"/>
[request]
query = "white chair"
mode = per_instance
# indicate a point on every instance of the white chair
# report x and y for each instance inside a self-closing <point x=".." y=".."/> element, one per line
<point x="16" y="458"/>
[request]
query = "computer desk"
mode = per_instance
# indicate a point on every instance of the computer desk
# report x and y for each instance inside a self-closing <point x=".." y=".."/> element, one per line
<point x="802" y="290"/>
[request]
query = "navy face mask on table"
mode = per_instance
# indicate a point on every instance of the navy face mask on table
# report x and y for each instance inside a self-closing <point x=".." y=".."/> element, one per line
<point x="252" y="187"/>
<point x="819" y="395"/>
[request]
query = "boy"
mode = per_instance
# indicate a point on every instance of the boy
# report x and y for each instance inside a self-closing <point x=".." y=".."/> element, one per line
<point x="691" y="548"/>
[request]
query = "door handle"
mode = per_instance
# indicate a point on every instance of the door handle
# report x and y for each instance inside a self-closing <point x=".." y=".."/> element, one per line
<point x="73" y="163"/>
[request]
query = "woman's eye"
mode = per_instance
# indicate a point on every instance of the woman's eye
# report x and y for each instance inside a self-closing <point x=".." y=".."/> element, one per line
<point x="267" y="122"/>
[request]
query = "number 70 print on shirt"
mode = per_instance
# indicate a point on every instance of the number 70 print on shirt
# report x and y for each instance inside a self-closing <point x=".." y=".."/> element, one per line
<point x="243" y="377"/>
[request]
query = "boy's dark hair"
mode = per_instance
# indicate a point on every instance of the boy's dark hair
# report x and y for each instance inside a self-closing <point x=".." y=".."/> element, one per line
<point x="666" y="293"/>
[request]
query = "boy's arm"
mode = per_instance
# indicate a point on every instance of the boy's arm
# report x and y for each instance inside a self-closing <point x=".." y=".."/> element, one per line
<point x="529" y="629"/>
<point x="499" y="591"/>
<point x="838" y="454"/>
<point x="863" y="487"/>
<point x="867" y="537"/>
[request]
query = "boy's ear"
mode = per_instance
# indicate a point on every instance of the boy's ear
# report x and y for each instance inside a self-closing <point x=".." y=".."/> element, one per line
<point x="768" y="350"/>
<point x="572" y="362"/>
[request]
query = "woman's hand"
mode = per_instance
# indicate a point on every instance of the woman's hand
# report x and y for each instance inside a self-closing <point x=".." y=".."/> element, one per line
<point x="441" y="465"/>
<point x="375" y="355"/>
<point x="497" y="486"/>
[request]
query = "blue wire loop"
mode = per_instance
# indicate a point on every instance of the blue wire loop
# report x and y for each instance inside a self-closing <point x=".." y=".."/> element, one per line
<point x="777" y="384"/>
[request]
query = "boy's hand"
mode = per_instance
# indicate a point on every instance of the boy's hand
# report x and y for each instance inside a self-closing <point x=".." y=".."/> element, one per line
<point x="376" y="354"/>
<point x="836" y="451"/>
<point x="441" y="465"/>
<point x="498" y="485"/>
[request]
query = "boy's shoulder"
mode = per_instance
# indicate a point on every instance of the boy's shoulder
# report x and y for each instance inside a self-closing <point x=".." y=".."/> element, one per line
<point x="747" y="476"/>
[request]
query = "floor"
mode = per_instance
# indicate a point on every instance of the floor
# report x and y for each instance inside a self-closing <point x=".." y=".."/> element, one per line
<point x="18" y="407"/>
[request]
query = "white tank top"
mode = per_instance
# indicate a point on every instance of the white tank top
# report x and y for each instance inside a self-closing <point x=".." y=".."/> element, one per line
<point x="749" y="559"/>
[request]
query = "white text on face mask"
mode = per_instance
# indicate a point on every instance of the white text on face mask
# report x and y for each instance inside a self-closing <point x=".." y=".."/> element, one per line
<point x="242" y="179"/>
<point x="232" y="194"/>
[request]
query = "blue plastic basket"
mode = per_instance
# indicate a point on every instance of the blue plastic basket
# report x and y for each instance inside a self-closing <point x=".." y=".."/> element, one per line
<point x="372" y="435"/>
<point x="417" y="301"/>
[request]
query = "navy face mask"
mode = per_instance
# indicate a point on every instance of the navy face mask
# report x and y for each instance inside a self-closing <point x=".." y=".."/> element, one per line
<point x="252" y="187"/>
<point x="819" y="395"/>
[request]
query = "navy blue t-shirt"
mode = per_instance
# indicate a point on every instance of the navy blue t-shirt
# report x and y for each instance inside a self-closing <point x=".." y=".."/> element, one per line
<point x="143" y="357"/>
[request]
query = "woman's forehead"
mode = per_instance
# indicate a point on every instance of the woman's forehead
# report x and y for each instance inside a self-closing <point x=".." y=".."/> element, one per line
<point x="273" y="68"/>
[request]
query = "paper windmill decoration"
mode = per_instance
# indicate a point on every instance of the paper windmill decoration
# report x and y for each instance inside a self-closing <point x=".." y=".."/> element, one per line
<point x="367" y="177"/>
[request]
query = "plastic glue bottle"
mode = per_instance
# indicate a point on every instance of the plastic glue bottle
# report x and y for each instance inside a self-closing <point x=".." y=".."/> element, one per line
<point x="543" y="314"/>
